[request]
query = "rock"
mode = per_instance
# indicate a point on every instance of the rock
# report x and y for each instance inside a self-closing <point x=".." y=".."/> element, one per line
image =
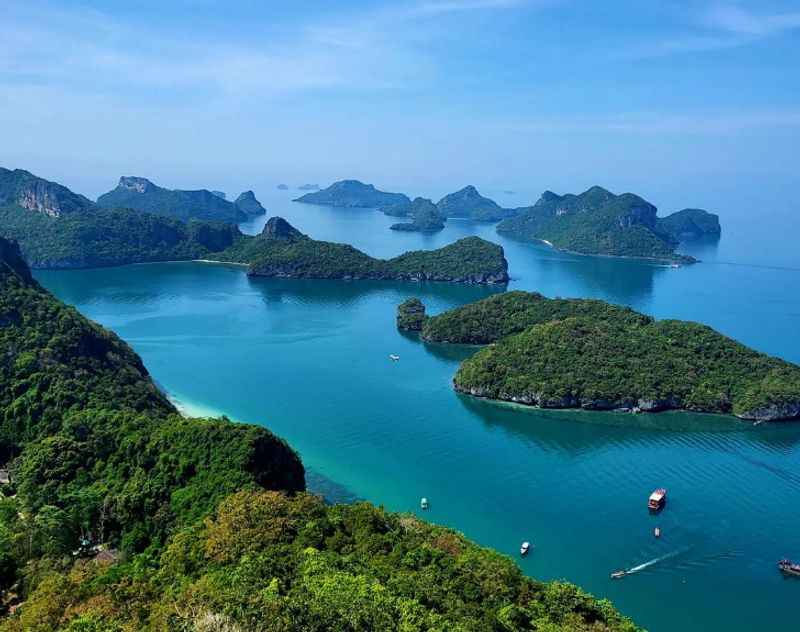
<point x="411" y="315"/>
<point x="247" y="203"/>
<point x="279" y="228"/>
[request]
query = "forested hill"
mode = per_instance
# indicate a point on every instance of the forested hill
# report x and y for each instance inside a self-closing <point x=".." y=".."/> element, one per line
<point x="283" y="251"/>
<point x="141" y="194"/>
<point x="122" y="515"/>
<point x="598" y="222"/>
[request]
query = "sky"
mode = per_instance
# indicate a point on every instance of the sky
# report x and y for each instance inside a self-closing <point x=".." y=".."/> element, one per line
<point x="693" y="102"/>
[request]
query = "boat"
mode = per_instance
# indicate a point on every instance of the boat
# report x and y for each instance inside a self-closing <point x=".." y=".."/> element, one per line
<point x="526" y="546"/>
<point x="393" y="357"/>
<point x="423" y="504"/>
<point x="787" y="567"/>
<point x="657" y="499"/>
<point x="657" y="532"/>
<point x="618" y="574"/>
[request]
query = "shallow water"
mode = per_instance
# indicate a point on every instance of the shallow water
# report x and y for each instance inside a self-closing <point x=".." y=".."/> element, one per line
<point x="309" y="359"/>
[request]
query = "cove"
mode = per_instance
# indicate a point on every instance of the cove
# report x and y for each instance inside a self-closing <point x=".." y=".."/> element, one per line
<point x="309" y="359"/>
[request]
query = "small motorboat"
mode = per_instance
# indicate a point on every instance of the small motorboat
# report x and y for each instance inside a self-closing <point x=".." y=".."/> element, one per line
<point x="787" y="567"/>
<point x="618" y="574"/>
<point x="657" y="499"/>
<point x="393" y="357"/>
<point x="423" y="504"/>
<point x="657" y="532"/>
<point x="523" y="550"/>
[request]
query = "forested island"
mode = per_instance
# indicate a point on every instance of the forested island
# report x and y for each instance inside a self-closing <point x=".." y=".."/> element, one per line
<point x="142" y="195"/>
<point x="597" y="222"/>
<point x="120" y="514"/>
<point x="353" y="194"/>
<point x="470" y="204"/>
<point x="578" y="353"/>
<point x="283" y="251"/>
<point x="425" y="217"/>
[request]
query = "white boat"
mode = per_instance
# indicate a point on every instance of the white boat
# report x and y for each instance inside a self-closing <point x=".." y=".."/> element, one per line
<point x="526" y="546"/>
<point x="423" y="504"/>
<point x="393" y="357"/>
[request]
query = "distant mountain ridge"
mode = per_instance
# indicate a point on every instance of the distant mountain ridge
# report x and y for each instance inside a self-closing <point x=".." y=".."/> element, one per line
<point x="599" y="222"/>
<point x="143" y="195"/>
<point x="353" y="194"/>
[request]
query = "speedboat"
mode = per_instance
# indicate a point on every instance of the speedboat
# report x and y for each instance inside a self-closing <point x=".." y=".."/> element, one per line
<point x="787" y="567"/>
<point x="526" y="546"/>
<point x="423" y="504"/>
<point x="393" y="357"/>
<point x="657" y="499"/>
<point x="618" y="574"/>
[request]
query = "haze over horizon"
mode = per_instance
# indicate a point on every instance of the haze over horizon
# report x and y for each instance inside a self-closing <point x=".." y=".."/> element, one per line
<point x="687" y="103"/>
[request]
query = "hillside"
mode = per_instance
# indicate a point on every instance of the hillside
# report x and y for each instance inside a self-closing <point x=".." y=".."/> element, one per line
<point x="619" y="362"/>
<point x="24" y="190"/>
<point x="424" y="215"/>
<point x="142" y="195"/>
<point x="352" y="194"/>
<point x="470" y="204"/>
<point x="249" y="204"/>
<point x="122" y="515"/>
<point x="282" y="251"/>
<point x="596" y="222"/>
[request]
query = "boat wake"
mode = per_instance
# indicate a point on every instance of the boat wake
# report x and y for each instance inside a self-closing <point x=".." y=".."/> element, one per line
<point x="656" y="560"/>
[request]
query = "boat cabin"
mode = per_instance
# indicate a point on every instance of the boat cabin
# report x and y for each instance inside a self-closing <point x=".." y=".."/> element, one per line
<point x="787" y="567"/>
<point x="657" y="499"/>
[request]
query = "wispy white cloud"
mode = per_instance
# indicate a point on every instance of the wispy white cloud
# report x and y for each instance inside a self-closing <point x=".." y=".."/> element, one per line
<point x="734" y="19"/>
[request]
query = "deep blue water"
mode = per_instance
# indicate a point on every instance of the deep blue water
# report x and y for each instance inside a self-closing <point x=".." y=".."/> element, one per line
<point x="309" y="359"/>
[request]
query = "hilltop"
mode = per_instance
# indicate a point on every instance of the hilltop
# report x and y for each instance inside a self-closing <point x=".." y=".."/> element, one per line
<point x="597" y="222"/>
<point x="470" y="204"/>
<point x="352" y="194"/>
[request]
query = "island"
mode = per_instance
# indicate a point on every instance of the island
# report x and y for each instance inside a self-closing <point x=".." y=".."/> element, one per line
<point x="249" y="205"/>
<point x="283" y="187"/>
<point x="142" y="195"/>
<point x="283" y="251"/>
<point x="411" y="315"/>
<point x="598" y="222"/>
<point x="308" y="187"/>
<point x="690" y="224"/>
<point x="352" y="194"/>
<point x="142" y="519"/>
<point x="426" y="218"/>
<point x="468" y="203"/>
<point x="569" y="353"/>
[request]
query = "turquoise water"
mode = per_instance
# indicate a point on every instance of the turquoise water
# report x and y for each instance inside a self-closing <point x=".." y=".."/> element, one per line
<point x="309" y="359"/>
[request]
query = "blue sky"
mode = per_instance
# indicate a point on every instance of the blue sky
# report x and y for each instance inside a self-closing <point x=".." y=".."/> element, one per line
<point x="666" y="98"/>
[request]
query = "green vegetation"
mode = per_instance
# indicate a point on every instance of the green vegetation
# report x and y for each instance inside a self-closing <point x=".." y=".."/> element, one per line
<point x="596" y="222"/>
<point x="470" y="204"/>
<point x="267" y="562"/>
<point x="142" y="195"/>
<point x="690" y="223"/>
<point x="425" y="215"/>
<point x="104" y="237"/>
<point x="203" y="524"/>
<point x="282" y="251"/>
<point x="352" y="194"/>
<point x="493" y="318"/>
<point x="248" y="204"/>
<point x="411" y="315"/>
<point x="621" y="361"/>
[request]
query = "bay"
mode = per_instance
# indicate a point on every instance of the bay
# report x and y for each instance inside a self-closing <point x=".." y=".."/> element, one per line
<point x="309" y="360"/>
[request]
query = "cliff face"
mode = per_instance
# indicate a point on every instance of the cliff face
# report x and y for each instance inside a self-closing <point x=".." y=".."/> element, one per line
<point x="22" y="188"/>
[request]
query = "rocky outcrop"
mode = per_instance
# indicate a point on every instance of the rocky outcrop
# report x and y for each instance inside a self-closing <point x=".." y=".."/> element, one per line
<point x="773" y="412"/>
<point x="411" y="315"/>
<point x="279" y="228"/>
<point x="22" y="188"/>
<point x="247" y="203"/>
